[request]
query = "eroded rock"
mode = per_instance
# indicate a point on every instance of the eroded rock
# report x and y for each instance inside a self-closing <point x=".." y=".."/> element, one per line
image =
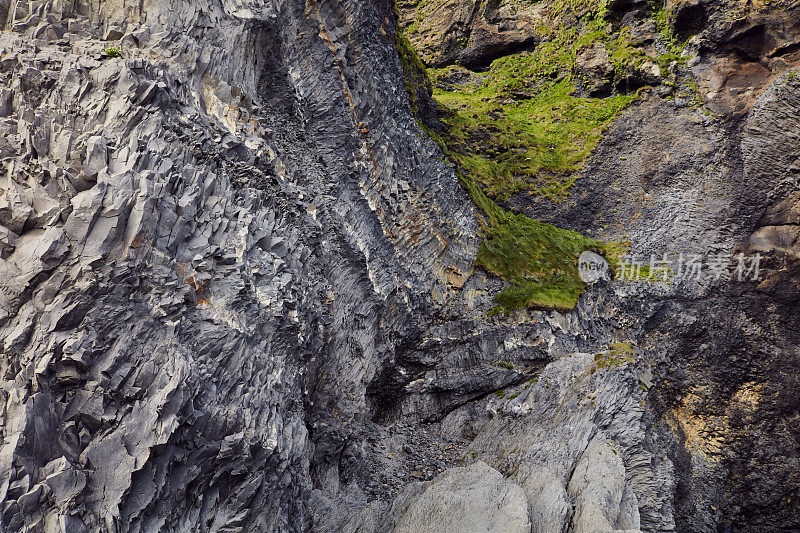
<point x="474" y="498"/>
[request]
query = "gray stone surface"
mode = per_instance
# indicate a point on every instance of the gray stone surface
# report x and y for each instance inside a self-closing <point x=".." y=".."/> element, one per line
<point x="237" y="288"/>
<point x="573" y="439"/>
<point x="210" y="246"/>
<point x="470" y="499"/>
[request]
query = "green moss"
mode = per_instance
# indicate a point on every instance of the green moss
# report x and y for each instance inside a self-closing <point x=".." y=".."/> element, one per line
<point x="538" y="259"/>
<point x="414" y="72"/>
<point x="618" y="353"/>
<point x="113" y="52"/>
<point x="504" y="364"/>
<point x="662" y="21"/>
<point x="524" y="129"/>
<point x="691" y="91"/>
<point x="534" y="145"/>
<point x="665" y="60"/>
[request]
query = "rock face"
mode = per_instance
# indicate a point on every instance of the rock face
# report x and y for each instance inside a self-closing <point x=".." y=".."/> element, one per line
<point x="474" y="498"/>
<point x="471" y="33"/>
<point x="738" y="48"/>
<point x="593" y="64"/>
<point x="237" y="288"/>
<point x="566" y="438"/>
<point x="211" y="245"/>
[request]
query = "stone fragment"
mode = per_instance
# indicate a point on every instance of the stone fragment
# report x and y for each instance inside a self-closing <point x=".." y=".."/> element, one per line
<point x="594" y="65"/>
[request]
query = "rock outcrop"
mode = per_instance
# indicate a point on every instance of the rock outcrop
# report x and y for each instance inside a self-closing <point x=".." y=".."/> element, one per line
<point x="237" y="283"/>
<point x="212" y="243"/>
<point x="738" y="48"/>
<point x="471" y="33"/>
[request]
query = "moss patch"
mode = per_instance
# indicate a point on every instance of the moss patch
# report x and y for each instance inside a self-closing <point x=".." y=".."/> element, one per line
<point x="534" y="145"/>
<point x="538" y="259"/>
<point x="525" y="129"/>
<point x="618" y="354"/>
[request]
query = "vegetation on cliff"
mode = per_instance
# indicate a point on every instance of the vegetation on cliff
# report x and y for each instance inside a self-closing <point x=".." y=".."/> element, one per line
<point x="539" y="260"/>
<point x="525" y="127"/>
<point x="414" y="73"/>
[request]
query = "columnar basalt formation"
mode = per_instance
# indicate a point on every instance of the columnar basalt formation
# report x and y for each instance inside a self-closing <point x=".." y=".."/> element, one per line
<point x="238" y="285"/>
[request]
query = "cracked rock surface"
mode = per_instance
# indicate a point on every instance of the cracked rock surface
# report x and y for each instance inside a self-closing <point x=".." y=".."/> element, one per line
<point x="210" y="245"/>
<point x="237" y="288"/>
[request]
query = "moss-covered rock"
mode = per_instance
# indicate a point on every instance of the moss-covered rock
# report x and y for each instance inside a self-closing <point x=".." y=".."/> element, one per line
<point x="526" y="125"/>
<point x="418" y="82"/>
<point x="468" y="32"/>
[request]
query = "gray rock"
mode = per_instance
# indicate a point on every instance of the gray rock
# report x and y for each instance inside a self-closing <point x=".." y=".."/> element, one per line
<point x="564" y="439"/>
<point x="594" y="66"/>
<point x="237" y="288"/>
<point x="471" y="499"/>
<point x="597" y="485"/>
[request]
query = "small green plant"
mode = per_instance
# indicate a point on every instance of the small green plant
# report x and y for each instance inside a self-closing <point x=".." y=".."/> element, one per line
<point x="503" y="364"/>
<point x="113" y="52"/>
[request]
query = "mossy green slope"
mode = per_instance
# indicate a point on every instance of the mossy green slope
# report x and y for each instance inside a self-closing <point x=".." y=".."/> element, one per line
<point x="523" y="128"/>
<point x="539" y="260"/>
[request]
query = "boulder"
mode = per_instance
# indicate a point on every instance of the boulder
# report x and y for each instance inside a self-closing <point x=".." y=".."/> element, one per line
<point x="468" y="500"/>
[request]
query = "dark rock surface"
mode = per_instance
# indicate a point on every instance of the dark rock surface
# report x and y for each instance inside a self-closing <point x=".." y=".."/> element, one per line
<point x="237" y="288"/>
<point x="471" y="33"/>
<point x="211" y="247"/>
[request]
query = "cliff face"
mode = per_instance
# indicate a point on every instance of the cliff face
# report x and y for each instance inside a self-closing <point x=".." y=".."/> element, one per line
<point x="239" y="294"/>
<point x="211" y="246"/>
<point x="703" y="163"/>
